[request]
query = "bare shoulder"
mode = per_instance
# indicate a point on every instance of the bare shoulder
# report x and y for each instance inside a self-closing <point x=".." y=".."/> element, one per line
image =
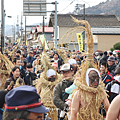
<point x="114" y="109"/>
<point x="77" y="94"/>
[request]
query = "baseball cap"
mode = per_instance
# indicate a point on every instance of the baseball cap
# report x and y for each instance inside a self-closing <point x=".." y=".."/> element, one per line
<point x="24" y="98"/>
<point x="50" y="72"/>
<point x="67" y="67"/>
<point x="78" y="57"/>
<point x="96" y="53"/>
<point x="111" y="58"/>
<point x="72" y="61"/>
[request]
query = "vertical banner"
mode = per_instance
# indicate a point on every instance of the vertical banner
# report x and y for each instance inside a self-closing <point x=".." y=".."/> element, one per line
<point x="80" y="41"/>
<point x="26" y="42"/>
<point x="42" y="38"/>
<point x="18" y="40"/>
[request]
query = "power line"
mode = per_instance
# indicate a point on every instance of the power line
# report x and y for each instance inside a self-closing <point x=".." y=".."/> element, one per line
<point x="86" y="2"/>
<point x="68" y="6"/>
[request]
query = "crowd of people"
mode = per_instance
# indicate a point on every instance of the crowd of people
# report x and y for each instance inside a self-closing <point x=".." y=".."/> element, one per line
<point x="59" y="85"/>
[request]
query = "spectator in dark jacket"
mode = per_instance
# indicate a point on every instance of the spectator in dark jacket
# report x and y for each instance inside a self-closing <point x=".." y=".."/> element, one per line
<point x="30" y="76"/>
<point x="110" y="53"/>
<point x="18" y="53"/>
<point x="16" y="62"/>
<point x="23" y="64"/>
<point x="105" y="75"/>
<point x="113" y="88"/>
<point x="6" y="54"/>
<point x="104" y="57"/>
<point x="57" y="60"/>
<point x="59" y="95"/>
<point x="77" y="58"/>
<point x="111" y="65"/>
<point x="118" y="58"/>
<point x="22" y="57"/>
<point x="14" y="75"/>
<point x="30" y="59"/>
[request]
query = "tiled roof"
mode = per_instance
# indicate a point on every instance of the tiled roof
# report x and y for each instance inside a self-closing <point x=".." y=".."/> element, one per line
<point x="94" y="20"/>
<point x="109" y="31"/>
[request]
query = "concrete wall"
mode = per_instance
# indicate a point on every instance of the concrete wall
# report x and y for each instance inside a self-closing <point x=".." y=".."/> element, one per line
<point x="94" y="48"/>
<point x="62" y="31"/>
<point x="105" y="42"/>
<point x="73" y="46"/>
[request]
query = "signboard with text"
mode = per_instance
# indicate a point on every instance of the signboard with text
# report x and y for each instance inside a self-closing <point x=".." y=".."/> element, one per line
<point x="80" y="41"/>
<point x="34" y="7"/>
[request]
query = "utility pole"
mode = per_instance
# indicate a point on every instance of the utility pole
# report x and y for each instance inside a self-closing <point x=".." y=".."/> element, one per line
<point x="43" y="25"/>
<point x="77" y="11"/>
<point x="14" y="32"/>
<point x="25" y="30"/>
<point x="21" y="29"/>
<point x="56" y="24"/>
<point x="2" y="26"/>
<point x="84" y="26"/>
<point x="83" y="11"/>
<point x="17" y="26"/>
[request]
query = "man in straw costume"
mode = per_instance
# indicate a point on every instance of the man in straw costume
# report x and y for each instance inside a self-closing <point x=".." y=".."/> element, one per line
<point x="90" y="94"/>
<point x="48" y="79"/>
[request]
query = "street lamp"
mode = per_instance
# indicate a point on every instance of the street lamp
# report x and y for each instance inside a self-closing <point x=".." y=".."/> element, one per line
<point x="3" y="25"/>
<point x="9" y="16"/>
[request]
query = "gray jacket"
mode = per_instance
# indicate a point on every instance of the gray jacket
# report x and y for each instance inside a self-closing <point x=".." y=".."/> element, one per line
<point x="59" y="95"/>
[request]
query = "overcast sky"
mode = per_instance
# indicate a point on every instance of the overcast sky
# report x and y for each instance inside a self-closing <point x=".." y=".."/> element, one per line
<point x="15" y="7"/>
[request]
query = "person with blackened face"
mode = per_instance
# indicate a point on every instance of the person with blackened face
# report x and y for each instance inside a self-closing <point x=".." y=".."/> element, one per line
<point x="93" y="79"/>
<point x="51" y="74"/>
<point x="85" y="98"/>
<point x="45" y="85"/>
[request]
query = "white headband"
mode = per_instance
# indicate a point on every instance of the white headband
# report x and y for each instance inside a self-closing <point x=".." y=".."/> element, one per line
<point x="50" y="72"/>
<point x="87" y="78"/>
<point x="72" y="61"/>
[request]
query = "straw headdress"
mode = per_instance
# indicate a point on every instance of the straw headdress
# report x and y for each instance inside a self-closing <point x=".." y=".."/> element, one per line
<point x="45" y="87"/>
<point x="91" y="109"/>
